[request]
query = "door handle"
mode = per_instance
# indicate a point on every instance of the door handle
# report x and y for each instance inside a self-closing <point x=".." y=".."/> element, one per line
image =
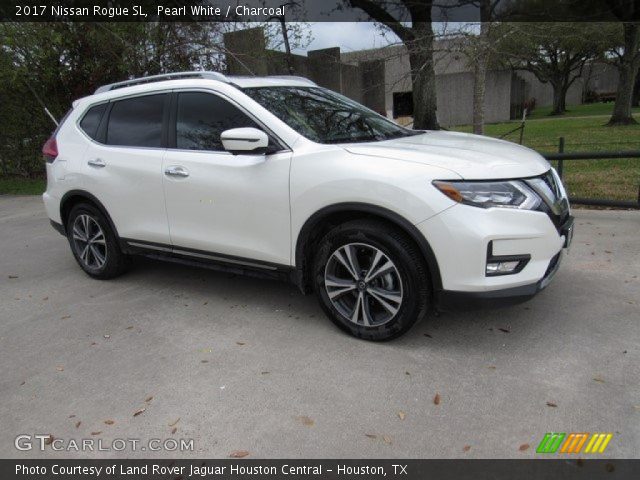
<point x="176" y="171"/>
<point x="97" y="162"/>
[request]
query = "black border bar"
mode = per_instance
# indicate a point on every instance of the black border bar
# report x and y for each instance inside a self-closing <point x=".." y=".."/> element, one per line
<point x="567" y="468"/>
<point x="311" y="10"/>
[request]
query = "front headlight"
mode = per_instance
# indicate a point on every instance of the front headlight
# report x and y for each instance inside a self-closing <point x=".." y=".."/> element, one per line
<point x="505" y="194"/>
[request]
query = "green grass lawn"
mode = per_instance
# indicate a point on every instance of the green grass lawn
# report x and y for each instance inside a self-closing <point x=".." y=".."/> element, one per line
<point x="22" y="186"/>
<point x="578" y="110"/>
<point x="617" y="179"/>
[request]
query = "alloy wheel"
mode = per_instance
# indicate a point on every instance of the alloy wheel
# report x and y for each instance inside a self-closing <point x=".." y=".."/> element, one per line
<point x="363" y="284"/>
<point x="89" y="241"/>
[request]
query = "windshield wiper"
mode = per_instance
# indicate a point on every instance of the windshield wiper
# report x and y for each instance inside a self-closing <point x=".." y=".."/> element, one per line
<point x="354" y="140"/>
<point x="407" y="133"/>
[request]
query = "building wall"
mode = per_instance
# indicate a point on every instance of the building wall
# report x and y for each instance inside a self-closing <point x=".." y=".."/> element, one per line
<point x="454" y="84"/>
<point x="277" y="63"/>
<point x="374" y="91"/>
<point x="351" y="82"/>
<point x="543" y="92"/>
<point x="455" y="98"/>
<point x="247" y="53"/>
<point x="373" y="76"/>
<point x="602" y="78"/>
<point x="324" y="68"/>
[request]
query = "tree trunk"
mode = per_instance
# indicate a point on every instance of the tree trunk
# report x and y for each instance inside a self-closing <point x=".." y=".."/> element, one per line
<point x="423" y="79"/>
<point x="287" y="46"/>
<point x="479" y="86"/>
<point x="559" y="98"/>
<point x="627" y="71"/>
<point x="480" y="68"/>
<point x="635" y="101"/>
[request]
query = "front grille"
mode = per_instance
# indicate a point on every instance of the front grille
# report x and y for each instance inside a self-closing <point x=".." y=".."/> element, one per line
<point x="554" y="201"/>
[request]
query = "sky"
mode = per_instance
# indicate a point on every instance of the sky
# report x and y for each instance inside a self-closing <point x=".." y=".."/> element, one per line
<point x="349" y="36"/>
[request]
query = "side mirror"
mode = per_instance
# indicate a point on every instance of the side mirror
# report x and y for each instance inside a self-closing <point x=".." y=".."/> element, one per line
<point x="244" y="140"/>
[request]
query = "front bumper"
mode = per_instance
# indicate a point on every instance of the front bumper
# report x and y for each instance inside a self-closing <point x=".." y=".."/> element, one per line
<point x="461" y="238"/>
<point x="450" y="300"/>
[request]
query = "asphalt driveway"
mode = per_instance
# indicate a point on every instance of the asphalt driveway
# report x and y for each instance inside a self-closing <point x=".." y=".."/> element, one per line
<point x="237" y="363"/>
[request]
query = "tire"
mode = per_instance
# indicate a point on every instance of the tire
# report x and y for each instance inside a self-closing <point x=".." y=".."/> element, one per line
<point x="101" y="258"/>
<point x="403" y="284"/>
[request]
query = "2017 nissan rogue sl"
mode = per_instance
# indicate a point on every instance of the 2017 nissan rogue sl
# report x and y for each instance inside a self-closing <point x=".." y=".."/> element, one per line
<point x="277" y="176"/>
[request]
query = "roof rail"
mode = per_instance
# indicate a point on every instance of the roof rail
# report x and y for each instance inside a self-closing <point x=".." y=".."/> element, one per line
<point x="294" y="77"/>
<point x="165" y="76"/>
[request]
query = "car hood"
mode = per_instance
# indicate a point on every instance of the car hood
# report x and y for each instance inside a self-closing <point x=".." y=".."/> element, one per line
<point x="472" y="157"/>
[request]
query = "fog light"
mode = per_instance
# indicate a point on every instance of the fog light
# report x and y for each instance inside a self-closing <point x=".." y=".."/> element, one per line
<point x="502" y="267"/>
<point x="504" y="264"/>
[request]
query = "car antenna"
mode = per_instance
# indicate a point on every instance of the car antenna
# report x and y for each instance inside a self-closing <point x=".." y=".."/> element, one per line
<point x="46" y="110"/>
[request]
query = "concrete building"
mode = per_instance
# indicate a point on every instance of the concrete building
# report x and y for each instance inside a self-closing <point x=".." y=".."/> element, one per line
<point x="454" y="85"/>
<point x="380" y="78"/>
<point x="247" y="55"/>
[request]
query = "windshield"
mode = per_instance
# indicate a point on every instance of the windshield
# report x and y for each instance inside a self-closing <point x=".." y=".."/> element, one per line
<point x="325" y="116"/>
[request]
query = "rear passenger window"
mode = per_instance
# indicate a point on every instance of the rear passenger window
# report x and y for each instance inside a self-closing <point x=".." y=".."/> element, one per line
<point x="202" y="117"/>
<point x="136" y="122"/>
<point x="91" y="120"/>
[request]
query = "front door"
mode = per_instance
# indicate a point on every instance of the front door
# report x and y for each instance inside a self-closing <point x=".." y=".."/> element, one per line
<point x="217" y="202"/>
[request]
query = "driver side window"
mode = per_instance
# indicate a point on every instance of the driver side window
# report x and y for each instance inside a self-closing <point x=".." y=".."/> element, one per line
<point x="202" y="117"/>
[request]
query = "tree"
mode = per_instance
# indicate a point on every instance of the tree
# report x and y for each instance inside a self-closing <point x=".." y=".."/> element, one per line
<point x="555" y="53"/>
<point x="628" y="61"/>
<point x="417" y="36"/>
<point x="59" y="62"/>
<point x="62" y="61"/>
<point x="480" y="76"/>
<point x="285" y="35"/>
<point x="479" y="48"/>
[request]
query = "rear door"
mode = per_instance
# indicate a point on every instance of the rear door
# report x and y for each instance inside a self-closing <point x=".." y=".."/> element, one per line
<point x="234" y="205"/>
<point x="123" y="165"/>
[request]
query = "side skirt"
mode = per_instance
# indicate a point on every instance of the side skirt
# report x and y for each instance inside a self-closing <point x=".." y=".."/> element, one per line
<point x="209" y="260"/>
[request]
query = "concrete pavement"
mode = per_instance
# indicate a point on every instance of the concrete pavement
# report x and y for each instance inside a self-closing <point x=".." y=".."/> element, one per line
<point x="237" y="363"/>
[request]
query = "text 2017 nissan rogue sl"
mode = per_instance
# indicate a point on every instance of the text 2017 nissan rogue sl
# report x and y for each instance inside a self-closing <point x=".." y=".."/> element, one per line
<point x="278" y="176"/>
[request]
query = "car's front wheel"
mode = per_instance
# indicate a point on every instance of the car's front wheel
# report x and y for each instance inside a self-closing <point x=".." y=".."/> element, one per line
<point x="371" y="279"/>
<point x="94" y="243"/>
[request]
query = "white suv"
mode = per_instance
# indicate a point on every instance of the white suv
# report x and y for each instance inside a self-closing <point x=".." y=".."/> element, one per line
<point x="277" y="176"/>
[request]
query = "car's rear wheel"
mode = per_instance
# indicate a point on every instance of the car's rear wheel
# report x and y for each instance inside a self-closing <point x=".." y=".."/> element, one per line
<point x="371" y="279"/>
<point x="94" y="244"/>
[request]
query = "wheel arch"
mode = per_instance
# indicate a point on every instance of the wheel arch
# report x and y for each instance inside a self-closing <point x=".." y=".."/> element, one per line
<point x="327" y="217"/>
<point x="73" y="197"/>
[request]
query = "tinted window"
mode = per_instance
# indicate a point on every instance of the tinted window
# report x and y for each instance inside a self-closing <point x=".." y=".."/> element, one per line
<point x="136" y="122"/>
<point x="91" y="120"/>
<point x="325" y="116"/>
<point x="202" y="117"/>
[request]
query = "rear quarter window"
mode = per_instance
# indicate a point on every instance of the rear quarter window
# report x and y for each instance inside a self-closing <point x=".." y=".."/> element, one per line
<point x="91" y="120"/>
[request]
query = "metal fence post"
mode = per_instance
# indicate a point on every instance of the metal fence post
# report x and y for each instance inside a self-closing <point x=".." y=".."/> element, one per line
<point x="524" y="119"/>
<point x="561" y="161"/>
